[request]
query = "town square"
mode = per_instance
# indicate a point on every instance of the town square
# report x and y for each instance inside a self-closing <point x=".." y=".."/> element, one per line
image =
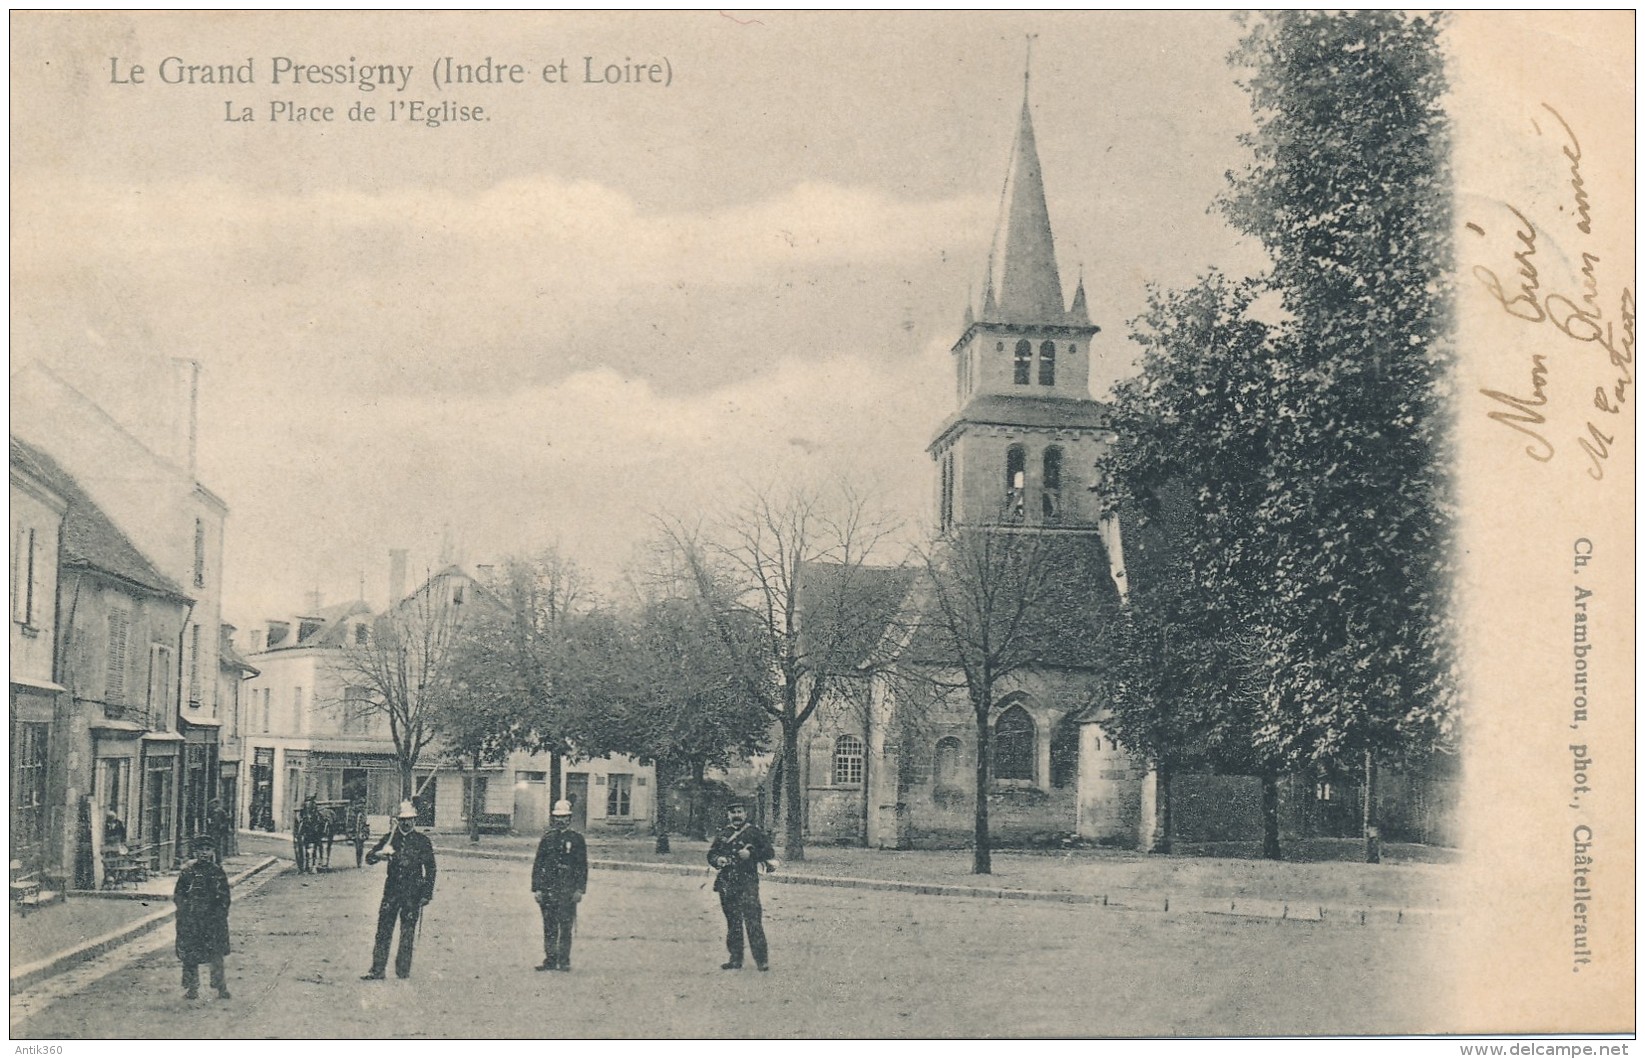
<point x="859" y="525"/>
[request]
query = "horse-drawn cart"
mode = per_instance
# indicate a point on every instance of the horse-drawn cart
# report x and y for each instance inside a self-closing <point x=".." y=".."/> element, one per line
<point x="319" y="824"/>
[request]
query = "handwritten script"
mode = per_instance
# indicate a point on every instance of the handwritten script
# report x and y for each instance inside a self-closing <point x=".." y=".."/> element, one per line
<point x="1549" y="278"/>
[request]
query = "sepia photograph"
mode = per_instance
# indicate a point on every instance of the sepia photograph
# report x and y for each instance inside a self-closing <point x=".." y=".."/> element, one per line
<point x="858" y="525"/>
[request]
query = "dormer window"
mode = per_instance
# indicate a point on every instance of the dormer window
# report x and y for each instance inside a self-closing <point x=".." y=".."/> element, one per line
<point x="1024" y="358"/>
<point x="1048" y="363"/>
<point x="361" y="635"/>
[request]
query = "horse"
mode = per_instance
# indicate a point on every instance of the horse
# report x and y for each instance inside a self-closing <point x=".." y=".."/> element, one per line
<point x="314" y="837"/>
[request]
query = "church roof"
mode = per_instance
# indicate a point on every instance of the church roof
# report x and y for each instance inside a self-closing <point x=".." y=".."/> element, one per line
<point x="1012" y="410"/>
<point x="846" y="610"/>
<point x="1023" y="284"/>
<point x="90" y="538"/>
<point x="1073" y="623"/>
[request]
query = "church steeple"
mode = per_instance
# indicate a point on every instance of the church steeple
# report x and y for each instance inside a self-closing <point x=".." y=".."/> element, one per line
<point x="1079" y="313"/>
<point x="1023" y="284"/>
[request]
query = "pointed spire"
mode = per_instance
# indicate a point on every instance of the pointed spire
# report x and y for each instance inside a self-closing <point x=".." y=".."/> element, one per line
<point x="1022" y="266"/>
<point x="1078" y="313"/>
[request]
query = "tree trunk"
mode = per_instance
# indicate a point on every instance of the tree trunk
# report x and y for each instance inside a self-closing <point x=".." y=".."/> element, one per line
<point x="661" y="780"/>
<point x="982" y="861"/>
<point x="1373" y="817"/>
<point x="406" y="780"/>
<point x="474" y="804"/>
<point x="698" y="818"/>
<point x="1270" y="816"/>
<point x="794" y="834"/>
<point x="777" y="781"/>
<point x="554" y="784"/>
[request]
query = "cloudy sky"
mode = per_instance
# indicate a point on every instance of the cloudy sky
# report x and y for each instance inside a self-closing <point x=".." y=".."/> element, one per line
<point x="606" y="301"/>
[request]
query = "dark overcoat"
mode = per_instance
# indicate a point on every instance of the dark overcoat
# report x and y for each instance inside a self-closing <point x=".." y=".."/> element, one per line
<point x="202" y="897"/>
<point x="561" y="867"/>
<point x="411" y="870"/>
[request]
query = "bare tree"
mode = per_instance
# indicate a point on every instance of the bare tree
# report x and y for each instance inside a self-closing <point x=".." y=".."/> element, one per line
<point x="405" y="663"/>
<point x="795" y="568"/>
<point x="999" y="600"/>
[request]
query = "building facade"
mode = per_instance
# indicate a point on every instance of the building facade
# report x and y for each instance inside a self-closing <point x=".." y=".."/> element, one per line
<point x="114" y="744"/>
<point x="311" y="724"/>
<point x="37" y="719"/>
<point x="142" y="475"/>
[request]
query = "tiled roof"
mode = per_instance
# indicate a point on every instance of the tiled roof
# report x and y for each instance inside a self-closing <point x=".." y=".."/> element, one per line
<point x="90" y="538"/>
<point x="850" y="608"/>
<point x="1076" y="616"/>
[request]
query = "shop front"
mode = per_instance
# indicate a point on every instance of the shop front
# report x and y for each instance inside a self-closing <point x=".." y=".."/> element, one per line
<point x="156" y="842"/>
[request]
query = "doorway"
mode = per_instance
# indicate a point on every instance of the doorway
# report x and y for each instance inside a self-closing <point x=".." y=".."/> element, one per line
<point x="530" y="792"/>
<point x="576" y="792"/>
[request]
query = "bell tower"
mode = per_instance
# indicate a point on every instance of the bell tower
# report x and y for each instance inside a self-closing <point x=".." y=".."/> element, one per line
<point x="1021" y="446"/>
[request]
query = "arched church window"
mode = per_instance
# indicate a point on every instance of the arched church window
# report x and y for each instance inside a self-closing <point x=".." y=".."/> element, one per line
<point x="1048" y="363"/>
<point x="1014" y="745"/>
<point x="847" y="760"/>
<point x="1051" y="485"/>
<point x="946" y="514"/>
<point x="1025" y="357"/>
<point x="1016" y="481"/>
<point x="1065" y="753"/>
<point x="948" y="765"/>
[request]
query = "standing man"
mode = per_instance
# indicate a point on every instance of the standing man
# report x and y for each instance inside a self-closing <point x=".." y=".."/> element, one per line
<point x="202" y="898"/>
<point x="739" y="851"/>
<point x="558" y="878"/>
<point x="220" y="828"/>
<point x="407" y="888"/>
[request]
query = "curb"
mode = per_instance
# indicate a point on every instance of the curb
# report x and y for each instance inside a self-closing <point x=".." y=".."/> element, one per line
<point x="1291" y="911"/>
<point x="51" y="966"/>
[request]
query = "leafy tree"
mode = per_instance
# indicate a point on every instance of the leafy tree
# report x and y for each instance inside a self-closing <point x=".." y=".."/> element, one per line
<point x="1349" y="191"/>
<point x="506" y="663"/>
<point x="1191" y="473"/>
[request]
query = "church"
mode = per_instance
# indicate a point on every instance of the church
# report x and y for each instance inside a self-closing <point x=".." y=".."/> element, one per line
<point x="893" y="766"/>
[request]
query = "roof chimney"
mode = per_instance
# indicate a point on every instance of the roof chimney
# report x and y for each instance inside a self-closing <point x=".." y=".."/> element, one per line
<point x="187" y="423"/>
<point x="396" y="575"/>
<point x="314" y="599"/>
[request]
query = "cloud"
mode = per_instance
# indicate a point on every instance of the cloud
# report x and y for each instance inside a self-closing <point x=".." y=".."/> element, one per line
<point x="584" y="462"/>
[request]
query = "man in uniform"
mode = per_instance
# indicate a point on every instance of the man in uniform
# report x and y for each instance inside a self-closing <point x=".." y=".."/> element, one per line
<point x="558" y="878"/>
<point x="407" y="888"/>
<point x="202" y="898"/>
<point x="739" y="851"/>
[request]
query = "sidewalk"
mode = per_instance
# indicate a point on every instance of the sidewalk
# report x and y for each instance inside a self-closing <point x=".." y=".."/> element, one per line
<point x="1402" y="889"/>
<point x="87" y="923"/>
